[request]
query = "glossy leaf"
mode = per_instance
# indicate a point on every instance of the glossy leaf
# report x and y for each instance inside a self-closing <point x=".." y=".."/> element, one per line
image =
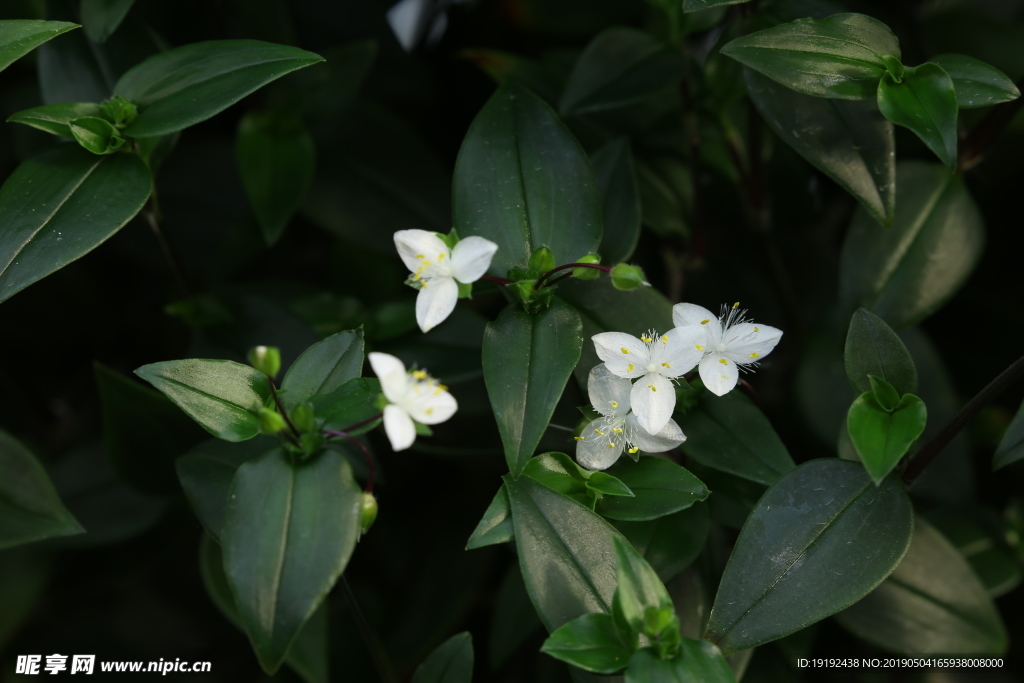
<point x="850" y="142"/>
<point x="639" y="589"/>
<point x="496" y="524"/>
<point x="825" y="519"/>
<point x="698" y="660"/>
<point x="616" y="176"/>
<point x="55" y="118"/>
<point x="833" y="57"/>
<point x="977" y="84"/>
<point x="59" y="206"/>
<point x="925" y="102"/>
<point x="276" y="160"/>
<point x="591" y="642"/>
<point x="881" y="438"/>
<point x="559" y="472"/>
<point x="352" y="403"/>
<point x="905" y="273"/>
<point x="30" y="509"/>
<point x="223" y="396"/>
<point x="185" y="85"/>
<point x="932" y="604"/>
<point x="451" y="662"/>
<point x="872" y="348"/>
<point x="566" y="553"/>
<point x="527" y="359"/>
<point x="1011" y="447"/>
<point x="660" y="487"/>
<point x="620" y="66"/>
<point x="324" y="367"/>
<point x="523" y="182"/>
<point x="288" y="534"/>
<point x="669" y="543"/>
<point x="97" y="135"/>
<point x="18" y="37"/>
<point x="729" y="433"/>
<point x="102" y="17"/>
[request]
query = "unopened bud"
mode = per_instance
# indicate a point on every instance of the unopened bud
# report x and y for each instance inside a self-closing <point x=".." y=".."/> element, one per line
<point x="542" y="260"/>
<point x="587" y="273"/>
<point x="627" y="277"/>
<point x="523" y="289"/>
<point x="270" y="421"/>
<point x="367" y="512"/>
<point x="302" y="418"/>
<point x="266" y="359"/>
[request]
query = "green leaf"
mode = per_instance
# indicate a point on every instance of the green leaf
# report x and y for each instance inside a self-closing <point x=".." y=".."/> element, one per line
<point x="669" y="543"/>
<point x="1011" y="447"/>
<point x="885" y="394"/>
<point x="527" y="359"/>
<point x="206" y="472"/>
<point x="698" y="660"/>
<point x="872" y="348"/>
<point x="850" y="142"/>
<point x="96" y="135"/>
<point x="566" y="553"/>
<point x="324" y="367"/>
<point x="881" y="438"/>
<point x="496" y="524"/>
<point x="977" y="84"/>
<point x="288" y="533"/>
<point x="821" y="521"/>
<point x="729" y="433"/>
<point x="932" y="604"/>
<point x="616" y="176"/>
<point x="591" y="642"/>
<point x="833" y="57"/>
<point x="102" y="17"/>
<point x="59" y="206"/>
<point x="451" y="662"/>
<point x="660" y="487"/>
<point x="514" y="618"/>
<point x="353" y="402"/>
<point x="606" y="484"/>
<point x="18" y="37"/>
<point x="698" y="5"/>
<point x="619" y="67"/>
<point x="276" y="160"/>
<point x="223" y="396"/>
<point x="560" y="473"/>
<point x="924" y="102"/>
<point x="638" y="589"/>
<point x="143" y="432"/>
<point x="185" y="85"/>
<point x="907" y="272"/>
<point x="30" y="509"/>
<point x="523" y="182"/>
<point x="56" y="118"/>
<point x="980" y="536"/>
<point x="505" y="67"/>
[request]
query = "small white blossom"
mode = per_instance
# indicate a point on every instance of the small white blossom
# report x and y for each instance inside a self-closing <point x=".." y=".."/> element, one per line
<point x="731" y="342"/>
<point x="439" y="270"/>
<point x="411" y="396"/>
<point x="654" y="360"/>
<point x="603" y="440"/>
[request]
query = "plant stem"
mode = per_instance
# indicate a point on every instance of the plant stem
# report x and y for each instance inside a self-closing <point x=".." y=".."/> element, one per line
<point x="281" y="410"/>
<point x="545" y="276"/>
<point x="371" y="477"/>
<point x="972" y="150"/>
<point x="152" y="215"/>
<point x="377" y="654"/>
<point x="927" y="453"/>
<point x="504" y="282"/>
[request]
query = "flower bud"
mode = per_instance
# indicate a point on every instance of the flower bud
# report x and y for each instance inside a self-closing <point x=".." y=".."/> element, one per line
<point x="120" y="111"/>
<point x="626" y="277"/>
<point x="270" y="421"/>
<point x="587" y="273"/>
<point x="367" y="512"/>
<point x="542" y="260"/>
<point x="311" y="442"/>
<point x="523" y="289"/>
<point x="302" y="418"/>
<point x="266" y="359"/>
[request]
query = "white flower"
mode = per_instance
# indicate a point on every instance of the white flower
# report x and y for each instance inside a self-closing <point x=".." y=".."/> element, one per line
<point x="438" y="270"/>
<point x="655" y="360"/>
<point x="602" y="441"/>
<point x="731" y="342"/>
<point x="411" y="396"/>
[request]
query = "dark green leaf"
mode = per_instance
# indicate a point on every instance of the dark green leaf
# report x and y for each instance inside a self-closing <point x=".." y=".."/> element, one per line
<point x="527" y="359"/>
<point x="73" y="70"/>
<point x="185" y="85"/>
<point x="276" y="160"/>
<point x="514" y="620"/>
<point x="606" y="484"/>
<point x="980" y="536"/>
<point x="451" y="662"/>
<point x="729" y="433"/>
<point x="59" y="206"/>
<point x="496" y="524"/>
<point x="698" y="5"/>
<point x="591" y="642"/>
<point x="905" y="273"/>
<point x="932" y="604"/>
<point x="823" y="520"/>
<point x="698" y="660"/>
<point x="324" y="367"/>
<point x="102" y="17"/>
<point x="660" y="487"/>
<point x="872" y="348"/>
<point x="924" y="102"/>
<point x="18" y="37"/>
<point x="566" y="553"/>
<point x="96" y="135"/>
<point x="523" y="182"/>
<point x="288" y="533"/>
<point x="620" y="66"/>
<point x="55" y="118"/>
<point x="638" y="589"/>
<point x="30" y="509"/>
<point x="833" y="57"/>
<point x="669" y="543"/>
<point x="221" y="395"/>
<point x="352" y="403"/>
<point x="850" y="142"/>
<point x="977" y="84"/>
<point x="881" y="438"/>
<point x="1011" y="448"/>
<point x="616" y="176"/>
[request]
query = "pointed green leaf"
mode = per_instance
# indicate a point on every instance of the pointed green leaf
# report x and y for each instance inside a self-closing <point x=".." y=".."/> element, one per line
<point x="185" y="85"/>
<point x="638" y="589"/>
<point x="18" y="37"/>
<point x="821" y="538"/>
<point x="97" y="135"/>
<point x="660" y="487"/>
<point x="591" y="642"/>
<point x="698" y="660"/>
<point x="527" y="359"/>
<point x="880" y="437"/>
<point x="59" y="206"/>
<point x="56" y="118"/>
<point x="324" y="367"/>
<point x="616" y="177"/>
<point x="977" y="84"/>
<point x="669" y="543"/>
<point x="352" y="403"/>
<point x="924" y="102"/>
<point x="523" y="182"/>
<point x="496" y="524"/>
<point x="102" y="17"/>
<point x="606" y="484"/>
<point x="872" y="348"/>
<point x="1011" y="447"/>
<point x="451" y="662"/>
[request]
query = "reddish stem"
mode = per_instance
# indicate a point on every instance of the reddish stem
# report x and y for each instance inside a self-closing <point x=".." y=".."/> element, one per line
<point x="545" y="276"/>
<point x="504" y="282"/>
<point x="369" y="460"/>
<point x="281" y="410"/>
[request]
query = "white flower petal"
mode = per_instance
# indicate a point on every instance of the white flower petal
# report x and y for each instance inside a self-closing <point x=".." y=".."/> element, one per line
<point x="681" y="349"/>
<point x="597" y="452"/>
<point x="471" y="258"/>
<point x="750" y="342"/>
<point x="684" y="315"/>
<point x="416" y="246"/>
<point x="394" y="381"/>
<point x="653" y="399"/>
<point x="718" y="373"/>
<point x="431" y="405"/>
<point x="435" y="302"/>
<point x="399" y="428"/>
<point x="624" y="354"/>
<point x="608" y="393"/>
<point x="668" y="438"/>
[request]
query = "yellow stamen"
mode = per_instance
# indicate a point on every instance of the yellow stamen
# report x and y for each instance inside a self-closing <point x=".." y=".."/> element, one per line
<point x="754" y="355"/>
<point x="419" y="374"/>
<point x="705" y="322"/>
<point x="421" y="256"/>
<point x="624" y="350"/>
<point x="578" y="438"/>
<point x="426" y="263"/>
<point x="615" y="404"/>
<point x="611" y="445"/>
<point x="698" y="347"/>
<point x="652" y="387"/>
<point x="757" y="329"/>
<point x="664" y="339"/>
<point x="442" y="387"/>
<point x="634" y="449"/>
<point x="429" y="411"/>
<point x="417" y="276"/>
<point x="440" y="257"/>
<point x="599" y="432"/>
<point x="736" y="305"/>
<point x="645" y="338"/>
<point x="616" y="430"/>
<point x="629" y="368"/>
<point x="665" y="365"/>
<point x="723" y="361"/>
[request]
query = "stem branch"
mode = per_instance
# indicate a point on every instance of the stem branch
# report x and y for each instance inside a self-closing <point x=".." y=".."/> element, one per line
<point x="371" y="477"/>
<point x="283" y="412"/>
<point x="551" y="272"/>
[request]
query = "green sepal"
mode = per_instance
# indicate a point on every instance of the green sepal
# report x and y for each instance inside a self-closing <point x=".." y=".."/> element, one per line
<point x="465" y="289"/>
<point x="271" y="421"/>
<point x="120" y="111"/>
<point x="450" y="240"/>
<point x="422" y="429"/>
<point x="587" y="273"/>
<point x="97" y="135"/>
